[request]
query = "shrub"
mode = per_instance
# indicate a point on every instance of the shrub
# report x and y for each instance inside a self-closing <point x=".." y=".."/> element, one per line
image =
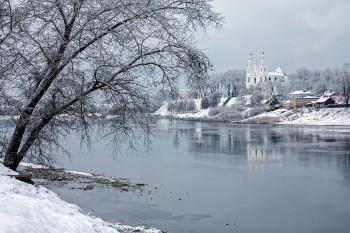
<point x="214" y="99"/>
<point x="191" y="106"/>
<point x="170" y="107"/>
<point x="205" y="103"/>
<point x="215" y="111"/>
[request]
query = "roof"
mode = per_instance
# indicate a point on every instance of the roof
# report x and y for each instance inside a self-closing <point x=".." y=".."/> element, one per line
<point x="275" y="74"/>
<point x="301" y="93"/>
<point x="310" y="97"/>
<point x="323" y="99"/>
<point x="333" y="94"/>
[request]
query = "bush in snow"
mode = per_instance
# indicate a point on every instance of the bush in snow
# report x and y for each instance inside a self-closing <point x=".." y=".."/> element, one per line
<point x="191" y="106"/>
<point x="170" y="107"/>
<point x="214" y="99"/>
<point x="256" y="99"/>
<point x="205" y="103"/>
<point x="256" y="111"/>
<point x="215" y="111"/>
<point x="238" y="106"/>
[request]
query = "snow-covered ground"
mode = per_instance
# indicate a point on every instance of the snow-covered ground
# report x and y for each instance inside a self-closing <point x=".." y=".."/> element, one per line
<point x="300" y="116"/>
<point x="305" y="116"/>
<point x="35" y="209"/>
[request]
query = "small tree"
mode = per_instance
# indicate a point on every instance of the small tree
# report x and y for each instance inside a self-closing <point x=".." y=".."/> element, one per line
<point x="345" y="82"/>
<point x="205" y="103"/>
<point x="170" y="107"/>
<point x="191" y="106"/>
<point x="274" y="102"/>
<point x="214" y="99"/>
<point x="256" y="98"/>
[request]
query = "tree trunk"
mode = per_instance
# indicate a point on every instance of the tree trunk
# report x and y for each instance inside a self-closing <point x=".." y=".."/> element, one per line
<point x="12" y="159"/>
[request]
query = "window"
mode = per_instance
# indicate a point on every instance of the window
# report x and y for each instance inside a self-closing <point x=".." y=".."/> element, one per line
<point x="275" y="79"/>
<point x="255" y="80"/>
<point x="260" y="79"/>
<point x="269" y="78"/>
<point x="265" y="79"/>
<point x="248" y="80"/>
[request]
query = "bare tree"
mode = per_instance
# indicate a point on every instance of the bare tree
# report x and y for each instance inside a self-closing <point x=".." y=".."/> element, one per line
<point x="73" y="52"/>
<point x="345" y="82"/>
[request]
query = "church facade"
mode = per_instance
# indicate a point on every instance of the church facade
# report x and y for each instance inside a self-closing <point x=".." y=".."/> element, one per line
<point x="270" y="82"/>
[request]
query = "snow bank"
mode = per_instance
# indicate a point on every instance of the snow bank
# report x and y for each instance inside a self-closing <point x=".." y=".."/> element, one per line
<point x="305" y="116"/>
<point x="232" y="101"/>
<point x="35" y="209"/>
<point x="300" y="116"/>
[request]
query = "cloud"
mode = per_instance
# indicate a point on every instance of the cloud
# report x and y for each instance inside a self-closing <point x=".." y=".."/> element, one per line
<point x="308" y="33"/>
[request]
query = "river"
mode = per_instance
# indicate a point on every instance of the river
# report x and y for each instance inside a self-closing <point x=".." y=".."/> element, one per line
<point x="221" y="177"/>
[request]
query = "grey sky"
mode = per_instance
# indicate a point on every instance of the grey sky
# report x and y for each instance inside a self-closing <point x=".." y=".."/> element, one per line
<point x="292" y="33"/>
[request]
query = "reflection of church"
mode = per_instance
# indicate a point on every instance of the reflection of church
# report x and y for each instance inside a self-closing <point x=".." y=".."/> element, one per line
<point x="261" y="76"/>
<point x="256" y="156"/>
<point x="259" y="154"/>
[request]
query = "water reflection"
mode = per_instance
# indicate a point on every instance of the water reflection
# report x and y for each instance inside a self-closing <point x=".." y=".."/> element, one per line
<point x="259" y="143"/>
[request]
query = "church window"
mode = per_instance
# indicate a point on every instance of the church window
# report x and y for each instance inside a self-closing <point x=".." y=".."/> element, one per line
<point x="275" y="78"/>
<point x="255" y="80"/>
<point x="269" y="78"/>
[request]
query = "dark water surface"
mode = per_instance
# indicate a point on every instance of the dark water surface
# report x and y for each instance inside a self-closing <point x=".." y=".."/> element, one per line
<point x="221" y="177"/>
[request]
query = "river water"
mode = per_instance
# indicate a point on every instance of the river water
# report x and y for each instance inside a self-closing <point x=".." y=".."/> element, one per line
<point x="221" y="177"/>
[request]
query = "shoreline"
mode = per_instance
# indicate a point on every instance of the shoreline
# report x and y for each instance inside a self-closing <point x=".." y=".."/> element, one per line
<point x="300" y="117"/>
<point x="18" y="193"/>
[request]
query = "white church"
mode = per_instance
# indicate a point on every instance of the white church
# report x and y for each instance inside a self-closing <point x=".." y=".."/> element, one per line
<point x="269" y="81"/>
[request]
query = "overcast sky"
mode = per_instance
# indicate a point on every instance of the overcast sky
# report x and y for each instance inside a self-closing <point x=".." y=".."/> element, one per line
<point x="293" y="33"/>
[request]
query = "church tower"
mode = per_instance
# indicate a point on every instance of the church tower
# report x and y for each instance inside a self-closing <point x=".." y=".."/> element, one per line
<point x="250" y="70"/>
<point x="263" y="66"/>
<point x="263" y="70"/>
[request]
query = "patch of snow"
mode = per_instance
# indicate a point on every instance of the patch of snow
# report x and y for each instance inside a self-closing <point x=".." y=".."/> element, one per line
<point x="33" y="209"/>
<point x="232" y="101"/>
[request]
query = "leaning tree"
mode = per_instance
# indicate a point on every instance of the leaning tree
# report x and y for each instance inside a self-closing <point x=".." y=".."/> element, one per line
<point x="70" y="54"/>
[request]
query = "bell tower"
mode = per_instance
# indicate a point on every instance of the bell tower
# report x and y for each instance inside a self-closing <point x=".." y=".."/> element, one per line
<point x="263" y="66"/>
<point x="250" y="70"/>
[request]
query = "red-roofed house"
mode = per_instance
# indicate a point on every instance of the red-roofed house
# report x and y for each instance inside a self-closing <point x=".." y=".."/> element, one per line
<point x="339" y="98"/>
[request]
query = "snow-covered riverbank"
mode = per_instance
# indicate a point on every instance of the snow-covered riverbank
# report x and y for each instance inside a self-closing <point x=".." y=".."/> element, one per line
<point x="300" y="116"/>
<point x="305" y="116"/>
<point x="33" y="209"/>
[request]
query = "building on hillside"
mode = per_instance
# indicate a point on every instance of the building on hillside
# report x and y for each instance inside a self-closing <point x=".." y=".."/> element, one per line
<point x="302" y="98"/>
<point x="271" y="81"/>
<point x="324" y="102"/>
<point x="339" y="98"/>
<point x="300" y="102"/>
